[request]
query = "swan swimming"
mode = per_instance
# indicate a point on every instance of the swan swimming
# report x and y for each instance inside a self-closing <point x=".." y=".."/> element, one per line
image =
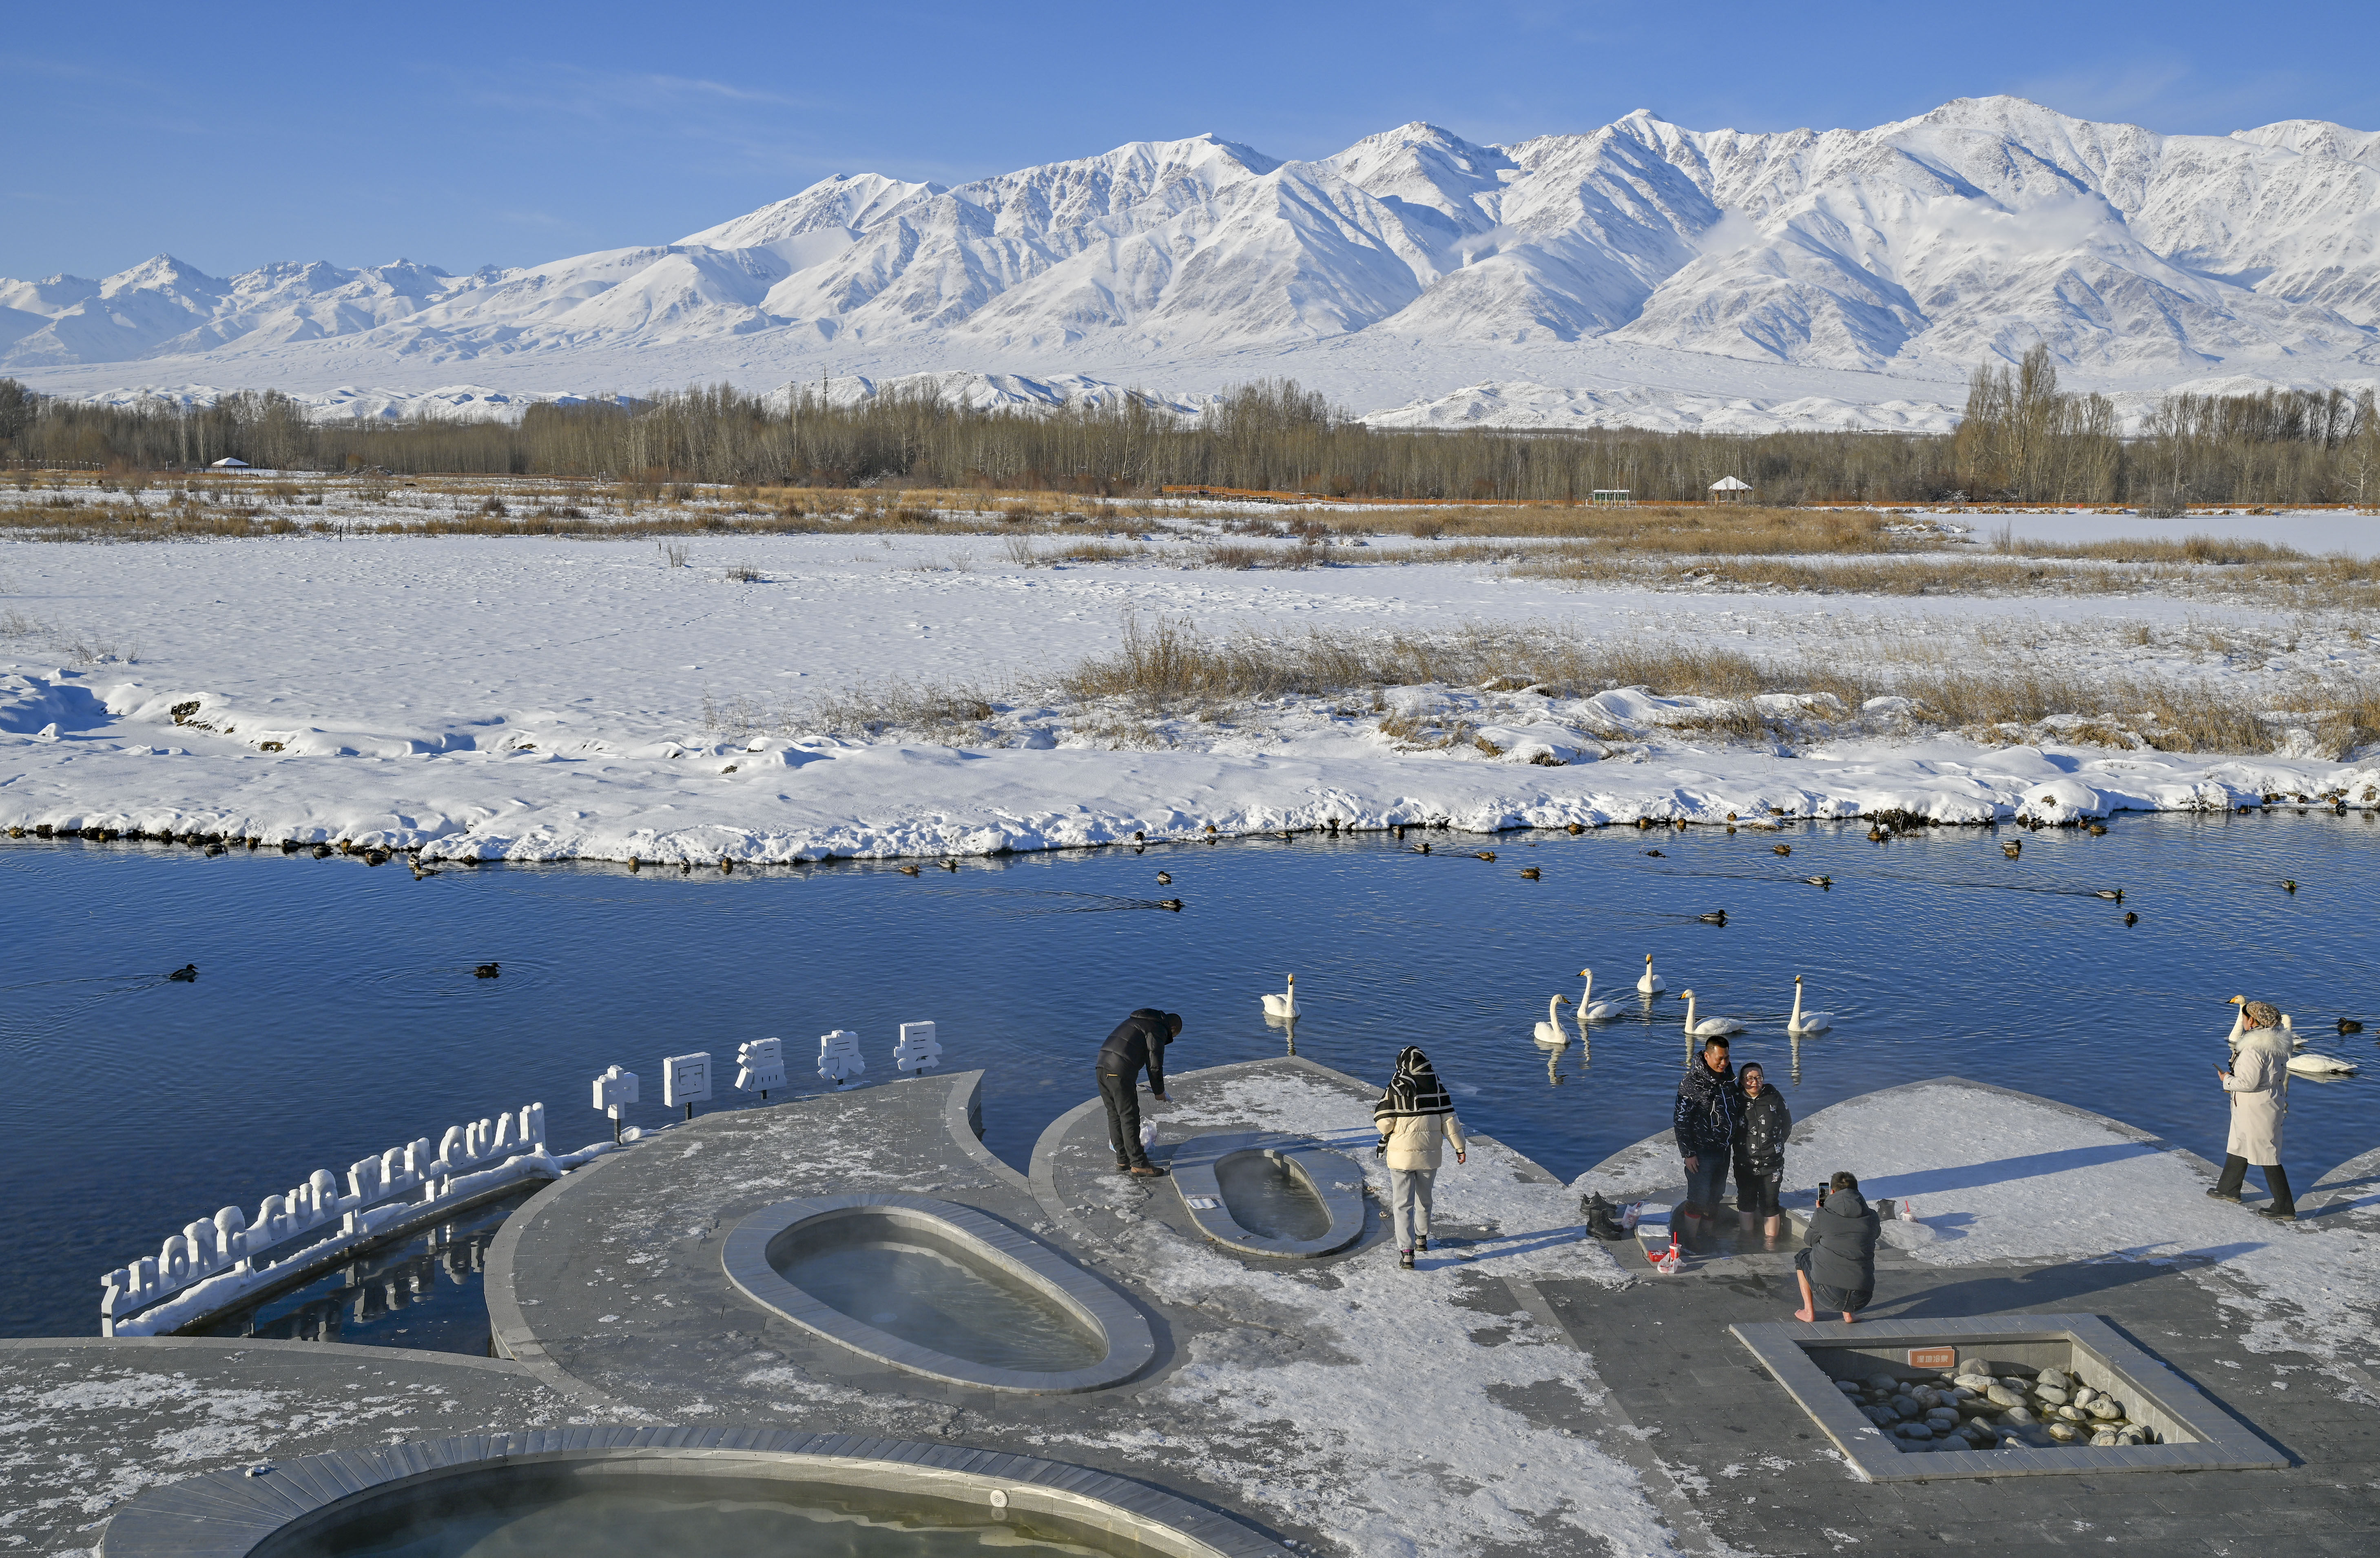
<point x="2308" y="1063"/>
<point x="1550" y="1030"/>
<point x="1652" y="983"/>
<point x="1806" y="1022"/>
<point x="1589" y="1008"/>
<point x="1708" y="1028"/>
<point x="1282" y="1005"/>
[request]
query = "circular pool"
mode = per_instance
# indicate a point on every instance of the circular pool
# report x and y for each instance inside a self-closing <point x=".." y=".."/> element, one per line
<point x="630" y="1493"/>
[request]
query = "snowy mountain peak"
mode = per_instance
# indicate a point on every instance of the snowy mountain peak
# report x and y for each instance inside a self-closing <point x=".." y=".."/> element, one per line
<point x="1920" y="247"/>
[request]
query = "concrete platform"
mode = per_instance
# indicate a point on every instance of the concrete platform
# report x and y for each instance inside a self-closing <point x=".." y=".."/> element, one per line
<point x="2026" y="1206"/>
<point x="1525" y="1392"/>
<point x="1342" y="1402"/>
<point x="87" y="1423"/>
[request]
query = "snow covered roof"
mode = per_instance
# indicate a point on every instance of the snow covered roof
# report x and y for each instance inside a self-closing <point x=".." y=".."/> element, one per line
<point x="1730" y="484"/>
<point x="229" y="463"/>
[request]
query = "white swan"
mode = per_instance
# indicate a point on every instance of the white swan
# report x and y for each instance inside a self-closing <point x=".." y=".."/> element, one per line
<point x="1284" y="1005"/>
<point x="2239" y="1023"/>
<point x="2289" y="1032"/>
<point x="1652" y="983"/>
<point x="1709" y="1027"/>
<point x="1806" y="1022"/>
<point x="2308" y="1063"/>
<point x="1550" y="1030"/>
<point x="1589" y="1008"/>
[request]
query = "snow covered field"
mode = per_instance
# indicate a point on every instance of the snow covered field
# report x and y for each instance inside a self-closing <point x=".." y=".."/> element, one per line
<point x="549" y="698"/>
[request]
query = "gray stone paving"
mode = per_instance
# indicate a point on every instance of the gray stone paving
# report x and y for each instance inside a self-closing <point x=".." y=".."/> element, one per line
<point x="1765" y="1480"/>
<point x="88" y="1422"/>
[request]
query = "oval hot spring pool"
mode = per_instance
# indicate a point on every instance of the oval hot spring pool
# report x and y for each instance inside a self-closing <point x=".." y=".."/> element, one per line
<point x="939" y="1289"/>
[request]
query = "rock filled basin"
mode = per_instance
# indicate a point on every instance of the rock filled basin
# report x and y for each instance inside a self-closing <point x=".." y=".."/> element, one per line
<point x="618" y="1493"/>
<point x="939" y="1289"/>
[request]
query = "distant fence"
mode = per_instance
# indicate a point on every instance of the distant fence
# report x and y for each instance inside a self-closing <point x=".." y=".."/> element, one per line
<point x="214" y="1264"/>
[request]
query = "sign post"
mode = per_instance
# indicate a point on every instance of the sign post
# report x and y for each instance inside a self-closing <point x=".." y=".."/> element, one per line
<point x="838" y="1058"/>
<point x="614" y="1090"/>
<point x="759" y="1066"/>
<point x="918" y="1050"/>
<point x="686" y="1079"/>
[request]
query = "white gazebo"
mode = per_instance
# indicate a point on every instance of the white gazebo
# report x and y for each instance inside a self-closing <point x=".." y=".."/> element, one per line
<point x="229" y="463"/>
<point x="1727" y="489"/>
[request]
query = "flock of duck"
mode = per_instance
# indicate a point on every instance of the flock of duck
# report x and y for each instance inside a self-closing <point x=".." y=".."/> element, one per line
<point x="1800" y="1024"/>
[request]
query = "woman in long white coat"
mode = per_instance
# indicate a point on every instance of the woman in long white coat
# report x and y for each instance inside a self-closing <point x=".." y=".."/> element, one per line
<point x="2259" y="1085"/>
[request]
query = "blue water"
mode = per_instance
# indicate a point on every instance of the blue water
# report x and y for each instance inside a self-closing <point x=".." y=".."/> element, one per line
<point x="335" y="1011"/>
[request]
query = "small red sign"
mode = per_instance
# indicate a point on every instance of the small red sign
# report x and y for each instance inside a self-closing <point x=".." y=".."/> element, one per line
<point x="1933" y="1358"/>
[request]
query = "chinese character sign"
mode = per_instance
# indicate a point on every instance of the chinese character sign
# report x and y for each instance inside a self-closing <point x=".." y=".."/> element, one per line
<point x="917" y="1050"/>
<point x="686" y="1079"/>
<point x="760" y="1064"/>
<point x="839" y="1059"/>
<point x="615" y="1089"/>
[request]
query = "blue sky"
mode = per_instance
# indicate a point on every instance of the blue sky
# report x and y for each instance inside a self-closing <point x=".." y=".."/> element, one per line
<point x="461" y="136"/>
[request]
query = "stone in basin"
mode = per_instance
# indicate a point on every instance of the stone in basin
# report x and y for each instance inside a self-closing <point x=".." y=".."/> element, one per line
<point x="939" y="1289"/>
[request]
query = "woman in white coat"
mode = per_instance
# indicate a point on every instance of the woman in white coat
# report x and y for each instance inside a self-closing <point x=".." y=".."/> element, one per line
<point x="2258" y="1083"/>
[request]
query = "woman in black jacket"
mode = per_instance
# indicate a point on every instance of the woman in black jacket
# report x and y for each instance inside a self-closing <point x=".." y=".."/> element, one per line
<point x="1762" y="1123"/>
<point x="1837" y="1265"/>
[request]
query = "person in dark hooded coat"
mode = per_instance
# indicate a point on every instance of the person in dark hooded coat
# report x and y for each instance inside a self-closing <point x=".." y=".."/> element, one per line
<point x="1138" y="1041"/>
<point x="1837" y="1264"/>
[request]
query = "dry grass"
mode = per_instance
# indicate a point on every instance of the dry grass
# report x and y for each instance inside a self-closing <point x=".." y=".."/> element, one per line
<point x="2332" y="582"/>
<point x="1166" y="665"/>
<point x="1740" y="529"/>
<point x="941" y="711"/>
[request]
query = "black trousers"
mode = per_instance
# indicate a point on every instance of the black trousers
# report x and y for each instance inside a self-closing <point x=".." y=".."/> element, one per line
<point x="1122" y="1095"/>
<point x="2235" y="1174"/>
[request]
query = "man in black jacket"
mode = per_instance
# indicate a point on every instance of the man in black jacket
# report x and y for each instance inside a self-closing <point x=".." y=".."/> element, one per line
<point x="1139" y="1040"/>
<point x="1704" y="1123"/>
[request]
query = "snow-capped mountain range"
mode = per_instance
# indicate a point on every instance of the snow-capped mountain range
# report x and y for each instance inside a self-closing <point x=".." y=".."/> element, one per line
<point x="1414" y="273"/>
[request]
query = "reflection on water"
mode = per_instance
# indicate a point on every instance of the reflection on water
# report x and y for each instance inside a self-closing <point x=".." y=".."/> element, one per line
<point x="1268" y="1198"/>
<point x="335" y="1012"/>
<point x="907" y="1283"/>
<point x="422" y="1291"/>
<point x="590" y="1515"/>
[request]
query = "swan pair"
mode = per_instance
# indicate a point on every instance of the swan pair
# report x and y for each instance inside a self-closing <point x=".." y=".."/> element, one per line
<point x="1549" y="1033"/>
<point x="1801" y="1024"/>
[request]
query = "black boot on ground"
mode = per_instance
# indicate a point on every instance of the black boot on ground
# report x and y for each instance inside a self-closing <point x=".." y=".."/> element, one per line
<point x="2285" y="1207"/>
<point x="2234" y="1174"/>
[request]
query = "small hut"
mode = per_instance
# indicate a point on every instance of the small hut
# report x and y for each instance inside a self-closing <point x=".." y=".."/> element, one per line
<point x="1727" y="489"/>
<point x="230" y="463"/>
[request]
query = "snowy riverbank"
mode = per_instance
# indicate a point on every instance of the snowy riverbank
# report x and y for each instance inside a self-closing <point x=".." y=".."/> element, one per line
<point x="547" y="700"/>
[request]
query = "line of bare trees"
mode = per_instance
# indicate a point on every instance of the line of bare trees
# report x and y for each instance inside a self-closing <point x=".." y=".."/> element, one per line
<point x="2022" y="440"/>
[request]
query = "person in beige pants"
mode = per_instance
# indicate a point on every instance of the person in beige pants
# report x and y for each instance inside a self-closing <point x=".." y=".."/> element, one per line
<point x="1415" y="1118"/>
